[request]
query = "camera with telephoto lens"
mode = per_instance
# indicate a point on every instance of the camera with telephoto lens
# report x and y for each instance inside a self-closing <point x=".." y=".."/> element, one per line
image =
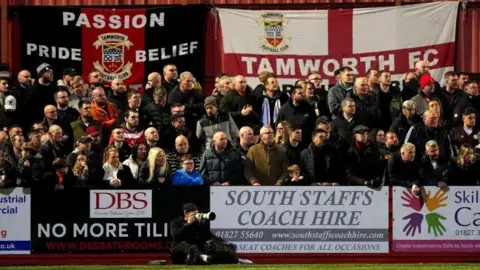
<point x="205" y="216"/>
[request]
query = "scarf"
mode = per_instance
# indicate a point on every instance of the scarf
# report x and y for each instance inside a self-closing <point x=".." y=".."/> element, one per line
<point x="266" y="120"/>
<point x="60" y="178"/>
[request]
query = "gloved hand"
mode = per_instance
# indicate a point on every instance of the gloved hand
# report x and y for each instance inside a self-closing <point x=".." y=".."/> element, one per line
<point x="375" y="183"/>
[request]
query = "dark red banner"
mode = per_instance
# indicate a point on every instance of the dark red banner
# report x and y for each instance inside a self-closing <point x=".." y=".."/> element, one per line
<point x="110" y="39"/>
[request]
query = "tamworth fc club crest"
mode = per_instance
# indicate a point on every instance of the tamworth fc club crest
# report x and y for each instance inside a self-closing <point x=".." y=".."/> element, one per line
<point x="274" y="39"/>
<point x="113" y="66"/>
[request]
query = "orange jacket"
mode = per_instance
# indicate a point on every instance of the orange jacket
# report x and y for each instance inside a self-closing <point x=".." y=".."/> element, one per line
<point x="107" y="117"/>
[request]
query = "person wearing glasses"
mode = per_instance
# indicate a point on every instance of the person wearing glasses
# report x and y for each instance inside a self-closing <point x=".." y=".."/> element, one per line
<point x="267" y="161"/>
<point x="188" y="175"/>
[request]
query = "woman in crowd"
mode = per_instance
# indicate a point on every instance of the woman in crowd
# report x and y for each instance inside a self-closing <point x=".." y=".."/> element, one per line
<point x="80" y="170"/>
<point x="155" y="171"/>
<point x="188" y="175"/>
<point x="137" y="158"/>
<point x="464" y="169"/>
<point x="282" y="132"/>
<point x="116" y="174"/>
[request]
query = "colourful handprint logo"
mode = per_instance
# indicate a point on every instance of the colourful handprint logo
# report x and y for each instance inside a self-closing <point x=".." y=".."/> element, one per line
<point x="415" y="219"/>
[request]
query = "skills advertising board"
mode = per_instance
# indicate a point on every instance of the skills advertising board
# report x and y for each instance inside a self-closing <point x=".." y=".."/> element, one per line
<point x="440" y="221"/>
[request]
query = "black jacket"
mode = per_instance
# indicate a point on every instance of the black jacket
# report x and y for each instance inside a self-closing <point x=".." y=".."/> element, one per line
<point x="302" y="116"/>
<point x="157" y="115"/>
<point x="233" y="104"/>
<point x="194" y="234"/>
<point x="365" y="163"/>
<point x="430" y="176"/>
<point x="463" y="175"/>
<point x="401" y="125"/>
<point x="402" y="173"/>
<point x="321" y="164"/>
<point x="193" y="101"/>
<point x="419" y="135"/>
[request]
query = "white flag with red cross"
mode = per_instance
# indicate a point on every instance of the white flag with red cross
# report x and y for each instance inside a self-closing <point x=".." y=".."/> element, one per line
<point x="292" y="43"/>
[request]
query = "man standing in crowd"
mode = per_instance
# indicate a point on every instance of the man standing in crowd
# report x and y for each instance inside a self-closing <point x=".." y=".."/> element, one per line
<point x="267" y="161"/>
<point x="42" y="92"/>
<point x="221" y="164"/>
<point x="214" y="121"/>
<point x="342" y="90"/>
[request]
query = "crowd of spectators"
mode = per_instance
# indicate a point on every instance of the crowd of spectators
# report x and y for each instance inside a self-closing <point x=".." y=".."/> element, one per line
<point x="362" y="131"/>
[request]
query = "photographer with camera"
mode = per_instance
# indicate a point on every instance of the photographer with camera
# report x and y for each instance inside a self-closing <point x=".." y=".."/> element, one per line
<point x="193" y="241"/>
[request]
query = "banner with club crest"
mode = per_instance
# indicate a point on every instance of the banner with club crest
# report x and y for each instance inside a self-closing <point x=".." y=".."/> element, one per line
<point x="120" y="43"/>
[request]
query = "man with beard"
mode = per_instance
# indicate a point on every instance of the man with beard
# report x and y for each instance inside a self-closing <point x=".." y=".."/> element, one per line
<point x="434" y="168"/>
<point x="421" y="68"/>
<point x="214" y="121"/>
<point x="119" y="95"/>
<point x="65" y="113"/>
<point x="170" y="75"/>
<point x="85" y="120"/>
<point x="389" y="99"/>
<point x="315" y="78"/>
<point x="465" y="134"/>
<point x="298" y="113"/>
<point x="391" y="145"/>
<point x="154" y="82"/>
<point x="132" y="132"/>
<point x="51" y="118"/>
<point x="470" y="99"/>
<point x="43" y="92"/>
<point x="134" y="102"/>
<point x="453" y="97"/>
<point x="268" y="99"/>
<point x="95" y="79"/>
<point x="103" y="111"/>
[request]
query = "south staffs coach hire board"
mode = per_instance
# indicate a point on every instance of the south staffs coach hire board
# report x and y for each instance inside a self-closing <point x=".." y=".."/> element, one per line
<point x="126" y="43"/>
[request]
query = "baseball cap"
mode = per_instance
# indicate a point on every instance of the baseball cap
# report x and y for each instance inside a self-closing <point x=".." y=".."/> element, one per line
<point x="10" y="103"/>
<point x="85" y="140"/>
<point x="69" y="71"/>
<point x="93" y="131"/>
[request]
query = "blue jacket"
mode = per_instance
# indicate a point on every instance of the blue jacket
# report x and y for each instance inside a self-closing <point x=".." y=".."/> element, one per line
<point x="182" y="178"/>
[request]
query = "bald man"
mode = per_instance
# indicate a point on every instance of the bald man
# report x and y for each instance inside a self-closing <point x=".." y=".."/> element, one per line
<point x="53" y="148"/>
<point x="182" y="147"/>
<point x="152" y="137"/>
<point x="221" y="164"/>
<point x="246" y="140"/>
<point x="170" y="76"/>
<point x="423" y="67"/>
<point x="154" y="81"/>
<point x="238" y="104"/>
<point x="51" y="119"/>
<point x="119" y="95"/>
<point x="103" y="111"/>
